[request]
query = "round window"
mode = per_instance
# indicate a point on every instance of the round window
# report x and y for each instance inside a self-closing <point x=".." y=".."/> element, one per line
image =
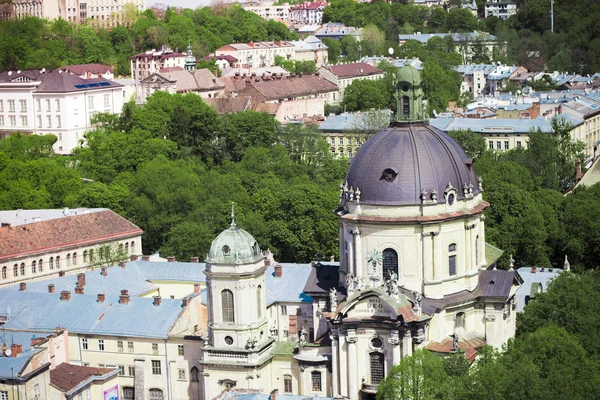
<point x="226" y="250"/>
<point x="376" y="343"/>
<point x="228" y="340"/>
<point x="451" y="199"/>
<point x="405" y="88"/>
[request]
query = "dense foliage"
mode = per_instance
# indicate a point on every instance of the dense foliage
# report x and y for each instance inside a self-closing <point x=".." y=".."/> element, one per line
<point x="173" y="166"/>
<point x="554" y="356"/>
<point x="32" y="43"/>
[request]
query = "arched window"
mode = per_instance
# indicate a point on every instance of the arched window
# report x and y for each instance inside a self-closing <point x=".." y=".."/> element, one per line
<point x="287" y="384"/>
<point x="156" y="394"/>
<point x="452" y="259"/>
<point x="69" y="260"/>
<point x="91" y="255"/>
<point x="51" y="262"/>
<point x="477" y="250"/>
<point x="127" y="247"/>
<point x="41" y="265"/>
<point x="459" y="320"/>
<point x="57" y="262"/>
<point x="227" y="306"/>
<point x="15" y="270"/>
<point x="4" y="269"/>
<point x="101" y="253"/>
<point x="22" y="269"/>
<point x="259" y="301"/>
<point x="33" y="267"/>
<point x="390" y="263"/>
<point x="74" y="259"/>
<point x="195" y="375"/>
<point x="315" y="378"/>
<point x="405" y="106"/>
<point x="132" y="247"/>
<point x="121" y="248"/>
<point x="85" y="256"/>
<point x="377" y="368"/>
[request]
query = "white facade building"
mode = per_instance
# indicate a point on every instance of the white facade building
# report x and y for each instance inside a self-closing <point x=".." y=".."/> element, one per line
<point x="107" y="13"/>
<point x="268" y="9"/>
<point x="310" y="13"/>
<point x="145" y="64"/>
<point x="502" y="9"/>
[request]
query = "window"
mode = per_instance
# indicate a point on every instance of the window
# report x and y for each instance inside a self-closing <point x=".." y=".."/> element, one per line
<point x="127" y="248"/>
<point x="39" y="118"/>
<point x="13" y="120"/>
<point x="506" y="145"/>
<point x="85" y="256"/>
<point x="452" y="259"/>
<point x="377" y="368"/>
<point x="131" y="370"/>
<point x="51" y="262"/>
<point x="57" y="262"/>
<point x="22" y="269"/>
<point x="121" y="370"/>
<point x="3" y="395"/>
<point x="11" y="106"/>
<point x="49" y="121"/>
<point x="130" y="347"/>
<point x="101" y="344"/>
<point x="1" y="120"/>
<point x="74" y="259"/>
<point x="519" y="143"/>
<point x="459" y="320"/>
<point x="1" y="105"/>
<point x="15" y="270"/>
<point x="284" y="310"/>
<point x="181" y="374"/>
<point x="259" y="301"/>
<point x="91" y="255"/>
<point x="132" y="247"/>
<point x="180" y="349"/>
<point x="4" y="269"/>
<point x="156" y="394"/>
<point x="195" y="375"/>
<point x="48" y="109"/>
<point x="498" y="145"/>
<point x="477" y="250"/>
<point x="155" y="348"/>
<point x="227" y="306"/>
<point x="91" y="102"/>
<point x="40" y="266"/>
<point x="315" y="378"/>
<point x="23" y="105"/>
<point x="405" y="107"/>
<point x="84" y="343"/>
<point x="128" y="393"/>
<point x="69" y="260"/>
<point x="33" y="267"/>
<point x="58" y="121"/>
<point x="24" y="121"/>
<point x="287" y="384"/>
<point x="107" y="100"/>
<point x="120" y="346"/>
<point x="39" y="105"/>
<point x="156" y="370"/>
<point x="57" y="105"/>
<point x="390" y="263"/>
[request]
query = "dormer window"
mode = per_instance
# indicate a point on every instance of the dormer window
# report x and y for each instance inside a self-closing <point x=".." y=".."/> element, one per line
<point x="226" y="250"/>
<point x="389" y="174"/>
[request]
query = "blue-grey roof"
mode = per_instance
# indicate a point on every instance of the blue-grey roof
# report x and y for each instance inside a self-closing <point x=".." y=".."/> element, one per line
<point x="289" y="288"/>
<point x="344" y="122"/>
<point x="457" y="37"/>
<point x="413" y="62"/>
<point x="469" y="69"/>
<point x="502" y="125"/>
<point x="171" y="271"/>
<point x="11" y="366"/>
<point x="529" y="278"/>
<point x="573" y="120"/>
<point x="501" y="72"/>
<point x="85" y="315"/>
<point x="264" y="396"/>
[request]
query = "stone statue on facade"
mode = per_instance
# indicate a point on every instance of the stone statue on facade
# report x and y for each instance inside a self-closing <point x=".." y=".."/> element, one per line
<point x="392" y="286"/>
<point x="417" y="302"/>
<point x="454" y="337"/>
<point x="332" y="299"/>
<point x="302" y="336"/>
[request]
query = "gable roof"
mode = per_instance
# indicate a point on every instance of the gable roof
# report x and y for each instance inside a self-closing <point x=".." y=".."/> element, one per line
<point x="67" y="377"/>
<point x="322" y="278"/>
<point x="80" y="69"/>
<point x="293" y="87"/>
<point x="64" y="82"/>
<point x="74" y="230"/>
<point x="289" y="288"/>
<point x="198" y="80"/>
<point x="354" y="69"/>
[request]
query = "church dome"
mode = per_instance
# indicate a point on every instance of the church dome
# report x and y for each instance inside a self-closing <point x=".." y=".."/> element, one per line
<point x="412" y="164"/>
<point x="408" y="74"/>
<point x="234" y="246"/>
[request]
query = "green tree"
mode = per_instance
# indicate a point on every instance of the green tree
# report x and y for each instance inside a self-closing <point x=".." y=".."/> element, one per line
<point x="362" y="95"/>
<point x="334" y="49"/>
<point x="472" y="143"/>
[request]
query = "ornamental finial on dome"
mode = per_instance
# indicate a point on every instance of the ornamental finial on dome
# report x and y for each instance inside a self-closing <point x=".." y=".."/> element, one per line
<point x="233" y="225"/>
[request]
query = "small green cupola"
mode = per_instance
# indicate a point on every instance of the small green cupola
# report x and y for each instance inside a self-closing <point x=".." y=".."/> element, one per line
<point x="409" y="95"/>
<point x="190" y="60"/>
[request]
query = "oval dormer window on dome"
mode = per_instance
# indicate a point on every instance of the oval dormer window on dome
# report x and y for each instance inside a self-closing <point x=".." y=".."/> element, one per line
<point x="226" y="250"/>
<point x="255" y="249"/>
<point x="451" y="199"/>
<point x="389" y="174"/>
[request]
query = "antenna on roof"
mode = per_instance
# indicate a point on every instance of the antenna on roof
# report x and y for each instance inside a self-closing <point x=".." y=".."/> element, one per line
<point x="232" y="215"/>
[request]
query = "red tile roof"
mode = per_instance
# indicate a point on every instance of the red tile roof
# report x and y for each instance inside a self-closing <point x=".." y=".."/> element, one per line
<point x="64" y="232"/>
<point x="291" y="87"/>
<point x="67" y="377"/>
<point x="354" y="69"/>
<point x="468" y="345"/>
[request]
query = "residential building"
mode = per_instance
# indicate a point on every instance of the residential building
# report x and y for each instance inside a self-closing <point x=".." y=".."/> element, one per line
<point x="268" y="9"/>
<point x="311" y="49"/>
<point x="37" y="244"/>
<point x="500" y="76"/>
<point x="69" y="381"/>
<point x="344" y="74"/>
<point x="502" y="9"/>
<point x="55" y="102"/>
<point x="176" y="80"/>
<point x="535" y="281"/>
<point x="106" y="14"/>
<point x="257" y="54"/>
<point x="87" y="71"/>
<point x="337" y="31"/>
<point x="584" y="115"/>
<point x="144" y="64"/>
<point x="223" y="62"/>
<point x="474" y="78"/>
<point x="308" y="13"/>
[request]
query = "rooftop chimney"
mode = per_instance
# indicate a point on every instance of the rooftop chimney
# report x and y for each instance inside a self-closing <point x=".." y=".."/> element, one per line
<point x="101" y="297"/>
<point x="16" y="349"/>
<point x="22" y="286"/>
<point x="145" y="258"/>
<point x="195" y="259"/>
<point x="4" y="348"/>
<point x="278" y="271"/>
<point x="171" y="259"/>
<point x="37" y="340"/>
<point x="196" y="287"/>
<point x="51" y="288"/>
<point x="61" y="273"/>
<point x="65" y="295"/>
<point x="122" y="264"/>
<point x="79" y="289"/>
<point x="578" y="174"/>
<point x="156" y="301"/>
<point x="124" y="297"/>
<point x="81" y="279"/>
<point x="185" y="301"/>
<point x="533" y="270"/>
<point x="104" y="271"/>
<point x="133" y="258"/>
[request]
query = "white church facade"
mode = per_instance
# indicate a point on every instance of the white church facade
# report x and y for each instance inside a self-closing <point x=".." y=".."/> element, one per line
<point x="413" y="273"/>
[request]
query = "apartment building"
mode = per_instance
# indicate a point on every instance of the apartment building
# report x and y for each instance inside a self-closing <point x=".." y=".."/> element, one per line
<point x="107" y="13"/>
<point x="54" y="102"/>
<point x="151" y="61"/>
<point x="268" y="9"/>
<point x="257" y="54"/>
<point x="502" y="9"/>
<point x="309" y="13"/>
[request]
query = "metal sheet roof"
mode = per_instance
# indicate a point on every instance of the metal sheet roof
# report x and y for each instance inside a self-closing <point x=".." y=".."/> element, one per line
<point x="171" y="271"/>
<point x="290" y="287"/>
<point x="499" y="125"/>
<point x="543" y="277"/>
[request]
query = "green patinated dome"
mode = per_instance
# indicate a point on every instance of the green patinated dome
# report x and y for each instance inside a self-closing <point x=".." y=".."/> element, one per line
<point x="234" y="246"/>
<point x="408" y="74"/>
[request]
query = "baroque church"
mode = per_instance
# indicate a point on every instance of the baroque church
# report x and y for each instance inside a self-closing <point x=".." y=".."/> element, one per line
<point x="414" y="272"/>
